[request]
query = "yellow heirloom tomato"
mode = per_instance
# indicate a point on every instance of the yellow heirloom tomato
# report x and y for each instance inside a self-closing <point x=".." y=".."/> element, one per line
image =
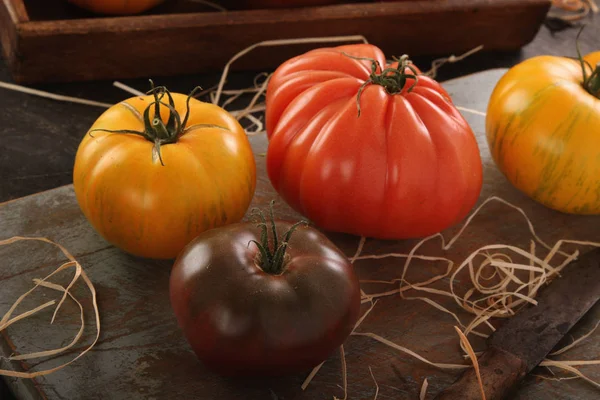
<point x="149" y="184"/>
<point x="543" y="129"/>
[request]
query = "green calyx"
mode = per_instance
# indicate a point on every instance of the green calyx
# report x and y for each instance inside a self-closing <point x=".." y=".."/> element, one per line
<point x="394" y="80"/>
<point x="272" y="253"/>
<point x="591" y="82"/>
<point x="155" y="130"/>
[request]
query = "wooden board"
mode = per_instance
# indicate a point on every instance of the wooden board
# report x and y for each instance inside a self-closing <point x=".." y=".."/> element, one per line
<point x="142" y="353"/>
<point x="47" y="40"/>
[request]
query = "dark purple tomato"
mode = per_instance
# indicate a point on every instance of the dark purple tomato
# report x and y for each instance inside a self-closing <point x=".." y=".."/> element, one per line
<point x="250" y="303"/>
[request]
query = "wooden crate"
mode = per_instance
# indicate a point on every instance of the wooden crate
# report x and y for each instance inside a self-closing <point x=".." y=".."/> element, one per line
<point x="50" y="40"/>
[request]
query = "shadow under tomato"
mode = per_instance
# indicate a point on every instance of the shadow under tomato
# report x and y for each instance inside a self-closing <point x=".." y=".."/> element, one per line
<point x="283" y="387"/>
<point x="5" y="393"/>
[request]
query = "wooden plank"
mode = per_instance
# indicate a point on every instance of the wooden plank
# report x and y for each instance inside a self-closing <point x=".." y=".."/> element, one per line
<point x="17" y="11"/>
<point x="142" y="353"/>
<point x="12" y="13"/>
<point x="189" y="43"/>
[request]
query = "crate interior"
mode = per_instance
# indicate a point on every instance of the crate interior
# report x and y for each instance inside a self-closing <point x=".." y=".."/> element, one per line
<point x="188" y="27"/>
<point x="53" y="10"/>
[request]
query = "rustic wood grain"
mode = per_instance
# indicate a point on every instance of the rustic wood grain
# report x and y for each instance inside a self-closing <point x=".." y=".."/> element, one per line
<point x="12" y="14"/>
<point x="153" y="45"/>
<point x="143" y="354"/>
<point x="17" y="10"/>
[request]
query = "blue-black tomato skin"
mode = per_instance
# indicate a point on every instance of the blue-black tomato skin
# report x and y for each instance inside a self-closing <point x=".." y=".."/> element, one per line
<point x="242" y="321"/>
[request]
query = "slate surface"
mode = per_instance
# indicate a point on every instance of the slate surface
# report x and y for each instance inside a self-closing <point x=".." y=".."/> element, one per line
<point x="143" y="355"/>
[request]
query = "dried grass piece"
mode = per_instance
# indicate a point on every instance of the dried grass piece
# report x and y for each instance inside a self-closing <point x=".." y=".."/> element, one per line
<point x="206" y="91"/>
<point x="472" y="111"/>
<point x="255" y="122"/>
<point x="409" y="352"/>
<point x="75" y="339"/>
<point x="368" y="298"/>
<point x="257" y="95"/>
<point x="255" y="109"/>
<point x="567" y="366"/>
<point x="79" y="272"/>
<point x="316" y="369"/>
<point x="344" y="373"/>
<point x="465" y="342"/>
<point x="575" y="342"/>
<point x="555" y="378"/>
<point x="415" y="286"/>
<point x="232" y="92"/>
<point x="506" y="203"/>
<point x="570" y="363"/>
<point x="469" y="328"/>
<point x="128" y="89"/>
<point x="359" y="249"/>
<point x="424" y="387"/>
<point x="234" y="97"/>
<point x="360" y="321"/>
<point x="280" y="42"/>
<point x="376" y="385"/>
<point x="6" y="324"/>
<point x="310" y="376"/>
<point x="437" y="63"/>
<point x="53" y="96"/>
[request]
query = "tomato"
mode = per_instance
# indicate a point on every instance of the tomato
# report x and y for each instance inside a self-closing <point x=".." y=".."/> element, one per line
<point x="116" y="7"/>
<point x="252" y="303"/>
<point x="543" y="130"/>
<point x="408" y="165"/>
<point x="157" y="184"/>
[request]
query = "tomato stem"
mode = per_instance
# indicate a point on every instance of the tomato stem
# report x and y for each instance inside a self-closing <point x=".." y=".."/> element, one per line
<point x="593" y="83"/>
<point x="590" y="83"/>
<point x="155" y="130"/>
<point x="271" y="259"/>
<point x="394" y="80"/>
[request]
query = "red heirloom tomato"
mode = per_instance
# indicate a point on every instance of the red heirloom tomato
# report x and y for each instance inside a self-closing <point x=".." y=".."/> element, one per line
<point x="253" y="302"/>
<point x="366" y="151"/>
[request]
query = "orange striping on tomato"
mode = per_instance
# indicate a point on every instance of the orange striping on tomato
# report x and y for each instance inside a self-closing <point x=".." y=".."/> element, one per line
<point x="152" y="200"/>
<point x="543" y="129"/>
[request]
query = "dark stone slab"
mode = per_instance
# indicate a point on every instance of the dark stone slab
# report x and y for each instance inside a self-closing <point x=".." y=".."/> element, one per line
<point x="143" y="355"/>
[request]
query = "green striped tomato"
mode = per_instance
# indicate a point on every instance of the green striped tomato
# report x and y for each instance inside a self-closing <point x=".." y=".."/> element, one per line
<point x="543" y="130"/>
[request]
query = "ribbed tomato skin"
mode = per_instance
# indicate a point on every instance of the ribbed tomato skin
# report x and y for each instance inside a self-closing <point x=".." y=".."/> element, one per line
<point x="407" y="167"/>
